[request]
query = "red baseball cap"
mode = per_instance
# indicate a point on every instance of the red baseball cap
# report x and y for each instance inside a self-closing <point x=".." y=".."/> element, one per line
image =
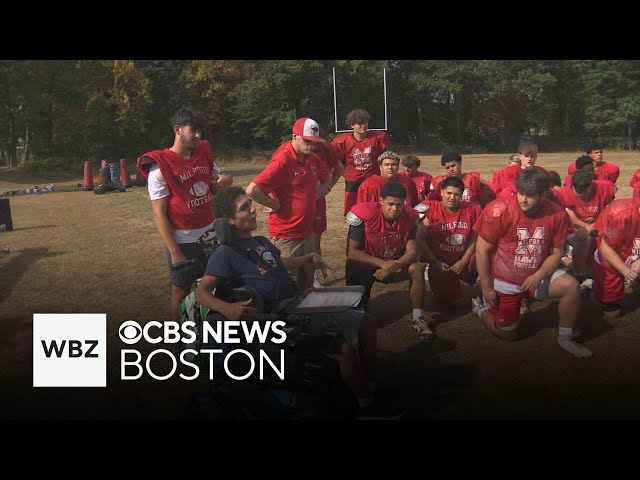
<point x="308" y="129"/>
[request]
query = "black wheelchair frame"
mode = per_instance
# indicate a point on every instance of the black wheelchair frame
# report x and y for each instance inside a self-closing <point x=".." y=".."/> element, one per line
<point x="312" y="387"/>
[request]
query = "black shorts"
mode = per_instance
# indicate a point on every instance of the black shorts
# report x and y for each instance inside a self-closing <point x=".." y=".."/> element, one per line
<point x="358" y="275"/>
<point x="187" y="276"/>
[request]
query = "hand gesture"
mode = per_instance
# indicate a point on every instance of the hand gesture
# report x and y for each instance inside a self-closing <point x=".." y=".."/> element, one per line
<point x="381" y="274"/>
<point x="531" y="283"/>
<point x="458" y="267"/>
<point x="391" y="266"/>
<point x="177" y="257"/>
<point x="320" y="264"/>
<point x="490" y="296"/>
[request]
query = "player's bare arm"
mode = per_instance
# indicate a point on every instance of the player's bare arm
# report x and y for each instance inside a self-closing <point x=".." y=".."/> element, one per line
<point x="483" y="253"/>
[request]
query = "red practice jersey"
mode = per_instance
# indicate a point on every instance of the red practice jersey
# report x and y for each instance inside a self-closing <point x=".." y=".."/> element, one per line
<point x="369" y="190"/>
<point x="449" y="232"/>
<point x="619" y="225"/>
<point x="472" y="187"/>
<point x="605" y="171"/>
<point x="361" y="158"/>
<point x="422" y="181"/>
<point x="189" y="182"/>
<point x="383" y="240"/>
<point x="635" y="179"/>
<point x="587" y="210"/>
<point x="522" y="242"/>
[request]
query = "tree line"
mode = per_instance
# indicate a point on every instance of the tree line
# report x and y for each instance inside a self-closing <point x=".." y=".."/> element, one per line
<point x="58" y="113"/>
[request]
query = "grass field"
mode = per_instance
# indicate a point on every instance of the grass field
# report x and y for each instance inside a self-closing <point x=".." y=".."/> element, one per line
<point x="73" y="251"/>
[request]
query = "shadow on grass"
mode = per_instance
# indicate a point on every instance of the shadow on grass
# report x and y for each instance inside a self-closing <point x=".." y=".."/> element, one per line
<point x="12" y="271"/>
<point x="430" y="387"/>
<point x="33" y="228"/>
<point x="589" y="323"/>
<point x="10" y="274"/>
<point x="241" y="172"/>
<point x="388" y="307"/>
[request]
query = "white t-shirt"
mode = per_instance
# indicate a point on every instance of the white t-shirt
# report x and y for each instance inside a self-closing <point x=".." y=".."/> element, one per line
<point x="157" y="186"/>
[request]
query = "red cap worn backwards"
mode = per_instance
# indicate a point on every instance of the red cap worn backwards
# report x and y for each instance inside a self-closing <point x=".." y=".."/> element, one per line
<point x="308" y="129"/>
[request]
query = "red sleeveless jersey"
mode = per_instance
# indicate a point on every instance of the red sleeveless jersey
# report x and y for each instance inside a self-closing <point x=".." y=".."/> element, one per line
<point x="189" y="183"/>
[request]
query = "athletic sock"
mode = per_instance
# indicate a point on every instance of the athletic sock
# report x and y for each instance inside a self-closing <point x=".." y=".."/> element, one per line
<point x="566" y="331"/>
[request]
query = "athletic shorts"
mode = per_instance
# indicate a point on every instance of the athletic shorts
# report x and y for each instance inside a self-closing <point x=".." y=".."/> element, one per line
<point x="608" y="284"/>
<point x="303" y="275"/>
<point x="446" y="287"/>
<point x="320" y="219"/>
<point x="350" y="195"/>
<point x="506" y="315"/>
<point x="187" y="276"/>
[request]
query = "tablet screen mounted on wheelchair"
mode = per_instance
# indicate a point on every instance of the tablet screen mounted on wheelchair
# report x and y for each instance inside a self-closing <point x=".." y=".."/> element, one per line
<point x="327" y="299"/>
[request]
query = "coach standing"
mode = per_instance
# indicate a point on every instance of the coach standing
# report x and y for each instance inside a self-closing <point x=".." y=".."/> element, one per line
<point x="290" y="185"/>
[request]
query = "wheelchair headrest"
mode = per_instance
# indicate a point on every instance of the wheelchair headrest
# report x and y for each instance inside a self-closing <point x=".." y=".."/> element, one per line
<point x="223" y="230"/>
<point x="220" y="234"/>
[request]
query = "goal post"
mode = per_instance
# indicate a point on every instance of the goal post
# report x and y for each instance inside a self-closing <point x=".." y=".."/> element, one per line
<point x="335" y="102"/>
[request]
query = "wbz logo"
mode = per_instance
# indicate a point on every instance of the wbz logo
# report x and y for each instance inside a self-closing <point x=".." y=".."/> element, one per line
<point x="74" y="348"/>
<point x="69" y="350"/>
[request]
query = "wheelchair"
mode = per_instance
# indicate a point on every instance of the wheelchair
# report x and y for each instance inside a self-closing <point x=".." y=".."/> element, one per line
<point x="312" y="387"/>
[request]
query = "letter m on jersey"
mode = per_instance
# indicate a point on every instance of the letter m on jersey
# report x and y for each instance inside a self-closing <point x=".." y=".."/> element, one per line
<point x="528" y="244"/>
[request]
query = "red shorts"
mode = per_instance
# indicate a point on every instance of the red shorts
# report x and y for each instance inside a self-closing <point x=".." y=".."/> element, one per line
<point x="608" y="284"/>
<point x="320" y="220"/>
<point x="446" y="287"/>
<point x="350" y="199"/>
<point x="507" y="315"/>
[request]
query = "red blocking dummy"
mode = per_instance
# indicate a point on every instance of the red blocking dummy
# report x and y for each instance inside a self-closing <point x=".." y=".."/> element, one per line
<point x="125" y="178"/>
<point x="87" y="183"/>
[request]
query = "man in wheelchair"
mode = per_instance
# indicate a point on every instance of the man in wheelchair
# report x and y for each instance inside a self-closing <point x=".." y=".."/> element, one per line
<point x="253" y="261"/>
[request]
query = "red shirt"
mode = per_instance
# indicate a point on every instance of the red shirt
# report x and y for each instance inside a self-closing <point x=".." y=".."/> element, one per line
<point x="522" y="242"/>
<point x="635" y="179"/>
<point x="604" y="171"/>
<point x="472" y="187"/>
<point x="587" y="210"/>
<point x="505" y="177"/>
<point x="189" y="183"/>
<point x="294" y="185"/>
<point x="619" y="225"/>
<point x="383" y="240"/>
<point x="636" y="191"/>
<point x="369" y="190"/>
<point x="449" y="232"/>
<point x="361" y="157"/>
<point x="422" y="181"/>
<point x="510" y="189"/>
<point x="330" y="155"/>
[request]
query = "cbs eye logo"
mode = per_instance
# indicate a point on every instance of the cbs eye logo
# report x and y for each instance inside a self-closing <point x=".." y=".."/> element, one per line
<point x="130" y="332"/>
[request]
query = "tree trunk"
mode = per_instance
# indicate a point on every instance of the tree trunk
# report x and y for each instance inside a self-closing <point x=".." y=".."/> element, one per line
<point x="565" y="110"/>
<point x="420" y="123"/>
<point x="630" y="136"/>
<point x="27" y="143"/>
<point x="459" y="119"/>
<point x="12" y="153"/>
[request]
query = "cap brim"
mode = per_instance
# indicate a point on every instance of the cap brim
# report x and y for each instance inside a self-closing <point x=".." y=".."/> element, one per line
<point x="314" y="139"/>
